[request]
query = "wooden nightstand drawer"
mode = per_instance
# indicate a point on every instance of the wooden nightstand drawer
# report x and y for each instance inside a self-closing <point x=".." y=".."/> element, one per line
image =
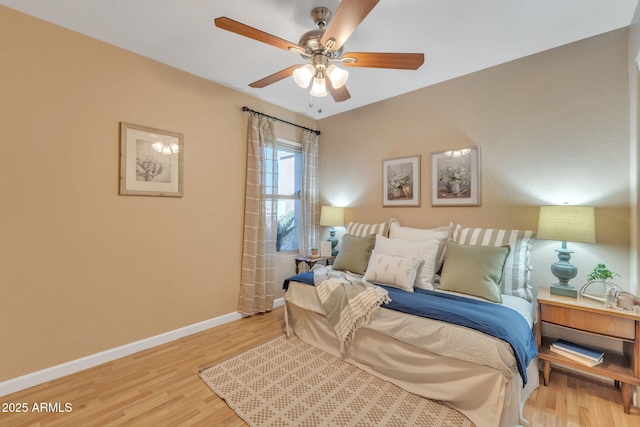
<point x="590" y="322"/>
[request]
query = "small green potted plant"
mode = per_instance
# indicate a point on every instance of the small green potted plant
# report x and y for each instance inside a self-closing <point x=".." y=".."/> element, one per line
<point x="314" y="252"/>
<point x="599" y="275"/>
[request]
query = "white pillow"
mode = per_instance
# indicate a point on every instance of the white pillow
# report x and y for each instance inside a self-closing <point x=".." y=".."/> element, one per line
<point x="389" y="270"/>
<point x="426" y="251"/>
<point x="422" y="235"/>
<point x="416" y="234"/>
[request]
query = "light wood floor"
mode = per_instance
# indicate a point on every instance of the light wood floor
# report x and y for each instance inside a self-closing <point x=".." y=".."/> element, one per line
<point x="160" y="387"/>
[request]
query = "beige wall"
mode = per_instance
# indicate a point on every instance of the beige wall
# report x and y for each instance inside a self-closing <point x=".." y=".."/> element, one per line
<point x="634" y="141"/>
<point x="83" y="269"/>
<point x="552" y="127"/>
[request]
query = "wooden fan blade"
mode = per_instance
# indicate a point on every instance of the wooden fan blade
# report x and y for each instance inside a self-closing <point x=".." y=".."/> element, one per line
<point x="253" y="33"/>
<point x="401" y="61"/>
<point x="275" y="77"/>
<point x="338" y="95"/>
<point x="349" y="15"/>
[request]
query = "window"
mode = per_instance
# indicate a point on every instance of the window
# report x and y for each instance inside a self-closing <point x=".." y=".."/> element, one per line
<point x="288" y="195"/>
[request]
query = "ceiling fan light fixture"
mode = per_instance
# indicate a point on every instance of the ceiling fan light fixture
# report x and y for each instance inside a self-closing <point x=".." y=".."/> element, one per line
<point x="157" y="146"/>
<point x="319" y="87"/>
<point x="303" y="75"/>
<point x="337" y="75"/>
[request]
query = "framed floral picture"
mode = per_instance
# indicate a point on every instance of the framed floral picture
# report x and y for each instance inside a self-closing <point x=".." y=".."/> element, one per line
<point x="401" y="181"/>
<point x="150" y="161"/>
<point x="455" y="177"/>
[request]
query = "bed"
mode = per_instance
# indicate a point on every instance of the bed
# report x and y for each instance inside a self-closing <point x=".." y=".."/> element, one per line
<point x="414" y="337"/>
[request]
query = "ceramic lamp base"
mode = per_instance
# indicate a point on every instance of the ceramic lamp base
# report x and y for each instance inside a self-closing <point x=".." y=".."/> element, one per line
<point x="564" y="290"/>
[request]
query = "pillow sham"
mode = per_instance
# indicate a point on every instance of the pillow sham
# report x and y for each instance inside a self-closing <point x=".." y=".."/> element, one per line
<point x="517" y="273"/>
<point x="426" y="251"/>
<point x="389" y="270"/>
<point x="396" y="231"/>
<point x="474" y="270"/>
<point x="354" y="253"/>
<point x="359" y="230"/>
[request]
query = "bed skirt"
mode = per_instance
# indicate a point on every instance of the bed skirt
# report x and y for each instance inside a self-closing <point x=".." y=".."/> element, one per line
<point x="481" y="393"/>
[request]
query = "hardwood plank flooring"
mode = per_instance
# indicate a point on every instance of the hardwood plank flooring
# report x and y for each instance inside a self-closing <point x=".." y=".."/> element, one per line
<point x="160" y="387"/>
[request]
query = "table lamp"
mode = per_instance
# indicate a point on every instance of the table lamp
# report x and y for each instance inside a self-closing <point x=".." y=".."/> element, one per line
<point x="332" y="216"/>
<point x="567" y="224"/>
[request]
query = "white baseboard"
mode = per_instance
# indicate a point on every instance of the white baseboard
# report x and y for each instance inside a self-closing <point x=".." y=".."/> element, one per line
<point x="39" y="377"/>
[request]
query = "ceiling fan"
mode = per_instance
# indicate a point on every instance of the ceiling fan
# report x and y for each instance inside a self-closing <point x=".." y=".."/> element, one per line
<point x="322" y="47"/>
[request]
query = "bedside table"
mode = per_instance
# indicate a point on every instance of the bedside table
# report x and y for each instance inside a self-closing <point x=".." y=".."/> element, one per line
<point x="588" y="317"/>
<point x="312" y="261"/>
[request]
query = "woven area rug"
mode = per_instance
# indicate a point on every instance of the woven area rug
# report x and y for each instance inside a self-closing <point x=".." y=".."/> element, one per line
<point x="287" y="382"/>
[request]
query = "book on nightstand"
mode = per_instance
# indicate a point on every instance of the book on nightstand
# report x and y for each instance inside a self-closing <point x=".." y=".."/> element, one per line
<point x="579" y="353"/>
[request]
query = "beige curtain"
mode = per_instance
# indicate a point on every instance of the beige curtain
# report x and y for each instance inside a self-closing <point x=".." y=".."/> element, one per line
<point x="260" y="218"/>
<point x="310" y="233"/>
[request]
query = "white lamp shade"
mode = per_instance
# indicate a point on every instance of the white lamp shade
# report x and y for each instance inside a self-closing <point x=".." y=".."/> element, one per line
<point x="332" y="216"/>
<point x="567" y="223"/>
<point x="319" y="88"/>
<point x="303" y="75"/>
<point x="338" y="76"/>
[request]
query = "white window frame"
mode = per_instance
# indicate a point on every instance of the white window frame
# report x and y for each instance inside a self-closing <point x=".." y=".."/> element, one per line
<point x="297" y="147"/>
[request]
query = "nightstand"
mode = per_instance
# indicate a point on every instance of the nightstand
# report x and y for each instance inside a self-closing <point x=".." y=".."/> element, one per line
<point x="580" y="316"/>
<point x="312" y="261"/>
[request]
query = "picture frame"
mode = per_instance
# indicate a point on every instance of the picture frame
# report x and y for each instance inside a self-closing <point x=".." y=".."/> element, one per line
<point x="455" y="177"/>
<point x="151" y="161"/>
<point x="325" y="249"/>
<point x="401" y="181"/>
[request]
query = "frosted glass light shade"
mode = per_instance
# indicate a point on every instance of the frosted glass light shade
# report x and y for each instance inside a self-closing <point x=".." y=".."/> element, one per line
<point x="338" y="76"/>
<point x="332" y="216"/>
<point x="567" y="223"/>
<point x="319" y="87"/>
<point x="303" y="75"/>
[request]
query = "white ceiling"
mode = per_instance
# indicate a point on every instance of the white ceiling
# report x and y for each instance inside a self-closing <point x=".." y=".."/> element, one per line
<point x="457" y="37"/>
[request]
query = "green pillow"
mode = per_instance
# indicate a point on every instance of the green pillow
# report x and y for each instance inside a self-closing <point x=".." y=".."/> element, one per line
<point x="354" y="253"/>
<point x="474" y="270"/>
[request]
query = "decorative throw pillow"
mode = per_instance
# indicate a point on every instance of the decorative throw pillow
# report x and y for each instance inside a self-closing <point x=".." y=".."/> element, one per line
<point x="474" y="270"/>
<point x="360" y="230"/>
<point x="389" y="270"/>
<point x="426" y="251"/>
<point x="416" y="234"/>
<point x="354" y="253"/>
<point x="517" y="271"/>
<point x="396" y="231"/>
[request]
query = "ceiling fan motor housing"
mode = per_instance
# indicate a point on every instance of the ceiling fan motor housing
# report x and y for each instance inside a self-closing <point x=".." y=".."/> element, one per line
<point x="310" y="40"/>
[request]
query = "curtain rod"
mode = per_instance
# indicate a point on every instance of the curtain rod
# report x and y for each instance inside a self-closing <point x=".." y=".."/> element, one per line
<point x="317" y="132"/>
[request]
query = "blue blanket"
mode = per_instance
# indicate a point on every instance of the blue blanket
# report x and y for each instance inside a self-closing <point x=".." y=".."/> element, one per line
<point x="493" y="319"/>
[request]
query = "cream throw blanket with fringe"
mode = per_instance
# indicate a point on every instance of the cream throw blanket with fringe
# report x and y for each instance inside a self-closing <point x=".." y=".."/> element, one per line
<point x="349" y="302"/>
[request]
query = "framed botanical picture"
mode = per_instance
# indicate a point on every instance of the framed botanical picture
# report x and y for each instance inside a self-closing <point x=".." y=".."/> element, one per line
<point x="325" y="249"/>
<point x="401" y="181"/>
<point x="455" y="177"/>
<point x="150" y="161"/>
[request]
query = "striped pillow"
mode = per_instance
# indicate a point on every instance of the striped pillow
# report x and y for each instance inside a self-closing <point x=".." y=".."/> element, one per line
<point x="362" y="230"/>
<point x="517" y="270"/>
